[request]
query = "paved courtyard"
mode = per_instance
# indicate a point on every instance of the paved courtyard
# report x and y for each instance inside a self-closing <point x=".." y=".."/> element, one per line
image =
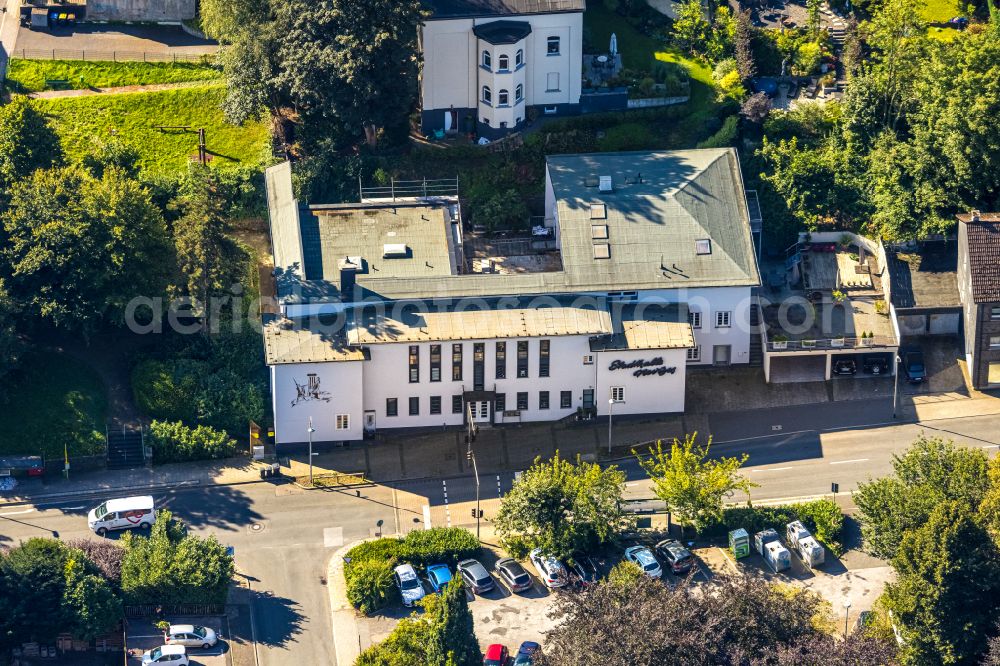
<point x="107" y="38"/>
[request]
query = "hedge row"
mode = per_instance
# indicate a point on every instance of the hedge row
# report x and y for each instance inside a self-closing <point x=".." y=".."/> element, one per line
<point x="822" y="517"/>
<point x="176" y="442"/>
<point x="368" y="568"/>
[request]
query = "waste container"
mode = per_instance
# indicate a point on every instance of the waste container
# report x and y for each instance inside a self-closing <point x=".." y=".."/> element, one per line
<point x="768" y="544"/>
<point x="739" y="543"/>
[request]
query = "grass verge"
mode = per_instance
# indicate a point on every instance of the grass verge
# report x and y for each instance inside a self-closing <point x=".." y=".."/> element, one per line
<point x="53" y="399"/>
<point x="938" y="11"/>
<point x="135" y="117"/>
<point x="24" y="76"/>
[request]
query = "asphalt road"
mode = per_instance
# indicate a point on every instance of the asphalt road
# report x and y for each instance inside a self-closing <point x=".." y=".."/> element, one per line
<point x="283" y="536"/>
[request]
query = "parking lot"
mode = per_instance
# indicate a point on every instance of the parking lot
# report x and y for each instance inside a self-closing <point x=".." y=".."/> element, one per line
<point x="107" y="38"/>
<point x="142" y="635"/>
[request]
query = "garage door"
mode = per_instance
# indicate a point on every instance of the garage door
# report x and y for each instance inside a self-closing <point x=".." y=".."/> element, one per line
<point x="943" y="324"/>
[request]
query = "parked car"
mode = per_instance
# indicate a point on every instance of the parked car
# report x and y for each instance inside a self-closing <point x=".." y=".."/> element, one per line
<point x="495" y="655"/>
<point x="583" y="570"/>
<point x="513" y="574"/>
<point x="551" y="571"/>
<point x="875" y="364"/>
<point x="408" y="583"/>
<point x="475" y="576"/>
<point x="678" y="558"/>
<point x="438" y="575"/>
<point x="190" y="635"/>
<point x="644" y="558"/>
<point x="845" y="366"/>
<point x="526" y="653"/>
<point x="174" y="655"/>
<point x="120" y="514"/>
<point x="913" y="366"/>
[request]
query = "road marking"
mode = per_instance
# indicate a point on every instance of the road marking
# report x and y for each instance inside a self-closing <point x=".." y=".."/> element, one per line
<point x="499" y="489"/>
<point x="991" y="446"/>
<point x="773" y="469"/>
<point x="17" y="513"/>
<point x="427" y="516"/>
<point x="844" y="462"/>
<point x="747" y="439"/>
<point x="447" y="511"/>
<point x="333" y="537"/>
<point x="775" y="428"/>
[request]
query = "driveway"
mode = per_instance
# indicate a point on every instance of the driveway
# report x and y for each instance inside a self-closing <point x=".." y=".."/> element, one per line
<point x="141" y="636"/>
<point x="100" y="41"/>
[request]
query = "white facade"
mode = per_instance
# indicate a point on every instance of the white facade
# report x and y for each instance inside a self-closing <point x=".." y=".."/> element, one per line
<point x="465" y="75"/>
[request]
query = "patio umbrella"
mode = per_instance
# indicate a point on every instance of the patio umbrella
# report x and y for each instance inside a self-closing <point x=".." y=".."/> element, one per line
<point x="614" y="44"/>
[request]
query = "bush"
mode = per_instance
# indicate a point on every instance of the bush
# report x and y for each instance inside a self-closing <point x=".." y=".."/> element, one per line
<point x="822" y="517"/>
<point x="446" y="545"/>
<point x="628" y="136"/>
<point x="726" y="136"/>
<point x="370" y="585"/>
<point x="176" y="442"/>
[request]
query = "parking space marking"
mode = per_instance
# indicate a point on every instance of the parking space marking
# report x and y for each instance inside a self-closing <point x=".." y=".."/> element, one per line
<point x="499" y="489"/>
<point x="333" y="537"/>
<point x="447" y="511"/>
<point x="17" y="513"/>
<point x="771" y="469"/>
<point x="844" y="462"/>
<point x="427" y="516"/>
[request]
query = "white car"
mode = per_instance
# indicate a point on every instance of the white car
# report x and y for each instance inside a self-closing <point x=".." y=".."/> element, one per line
<point x="410" y="588"/>
<point x="190" y="635"/>
<point x="550" y="570"/>
<point x="644" y="558"/>
<point x="121" y="514"/>
<point x="172" y="655"/>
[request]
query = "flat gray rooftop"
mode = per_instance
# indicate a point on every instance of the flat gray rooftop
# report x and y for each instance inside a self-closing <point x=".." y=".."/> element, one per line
<point x="926" y="278"/>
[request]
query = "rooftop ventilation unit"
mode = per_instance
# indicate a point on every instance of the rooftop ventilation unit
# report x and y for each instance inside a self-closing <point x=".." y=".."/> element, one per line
<point x="605" y="184"/>
<point x="394" y="251"/>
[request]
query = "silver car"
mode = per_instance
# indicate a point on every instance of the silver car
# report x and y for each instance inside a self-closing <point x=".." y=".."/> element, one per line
<point x="645" y="559"/>
<point x="190" y="635"/>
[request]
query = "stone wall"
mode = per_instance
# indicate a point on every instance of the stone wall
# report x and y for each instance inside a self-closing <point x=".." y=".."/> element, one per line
<point x="140" y="10"/>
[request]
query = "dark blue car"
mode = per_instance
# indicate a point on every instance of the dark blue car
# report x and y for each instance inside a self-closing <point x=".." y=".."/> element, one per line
<point x="526" y="653"/>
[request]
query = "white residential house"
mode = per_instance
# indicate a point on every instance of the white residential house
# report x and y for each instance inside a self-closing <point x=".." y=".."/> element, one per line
<point x="486" y="62"/>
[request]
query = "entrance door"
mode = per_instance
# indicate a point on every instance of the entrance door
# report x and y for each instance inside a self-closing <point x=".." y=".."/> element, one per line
<point x="481" y="411"/>
<point x="721" y="354"/>
<point x="370" y="422"/>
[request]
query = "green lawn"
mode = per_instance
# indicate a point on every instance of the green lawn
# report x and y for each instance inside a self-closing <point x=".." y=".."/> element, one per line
<point x="31" y="75"/>
<point x="53" y="399"/>
<point x="943" y="34"/>
<point x="637" y="50"/>
<point x="938" y="11"/>
<point x="135" y="117"/>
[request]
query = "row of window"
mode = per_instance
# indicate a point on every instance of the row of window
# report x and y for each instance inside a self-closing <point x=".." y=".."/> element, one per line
<point x="479" y="359"/>
<point x="552" y="48"/>
<point x="503" y="97"/>
<point x="521" y="402"/>
<point x="722" y="319"/>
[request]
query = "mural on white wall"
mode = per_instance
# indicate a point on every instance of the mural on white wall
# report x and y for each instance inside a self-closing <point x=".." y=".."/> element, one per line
<point x="310" y="391"/>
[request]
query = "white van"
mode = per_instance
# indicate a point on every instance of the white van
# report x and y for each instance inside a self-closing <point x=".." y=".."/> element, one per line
<point x="120" y="514"/>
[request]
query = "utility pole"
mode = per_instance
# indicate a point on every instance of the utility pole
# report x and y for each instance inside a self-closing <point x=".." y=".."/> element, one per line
<point x="471" y="456"/>
<point x="311" y="431"/>
<point x="895" y="383"/>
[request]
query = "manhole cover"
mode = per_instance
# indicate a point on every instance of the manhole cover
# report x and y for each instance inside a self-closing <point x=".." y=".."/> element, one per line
<point x="256" y="527"/>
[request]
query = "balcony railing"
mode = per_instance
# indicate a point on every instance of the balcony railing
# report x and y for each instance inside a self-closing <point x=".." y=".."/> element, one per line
<point x="877" y="342"/>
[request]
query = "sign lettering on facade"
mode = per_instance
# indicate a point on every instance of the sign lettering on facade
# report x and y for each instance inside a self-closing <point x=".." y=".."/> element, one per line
<point x="643" y="368"/>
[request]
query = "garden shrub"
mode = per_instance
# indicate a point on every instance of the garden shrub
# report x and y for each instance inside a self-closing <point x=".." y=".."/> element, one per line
<point x="628" y="136"/>
<point x="176" y="442"/>
<point x="446" y="545"/>
<point x="370" y="585"/>
<point x="726" y="136"/>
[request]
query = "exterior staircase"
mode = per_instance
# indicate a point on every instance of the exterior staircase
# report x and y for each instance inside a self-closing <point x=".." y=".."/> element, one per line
<point x="126" y="447"/>
<point x="756" y="350"/>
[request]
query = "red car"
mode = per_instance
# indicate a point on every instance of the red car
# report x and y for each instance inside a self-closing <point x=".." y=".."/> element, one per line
<point x="496" y="655"/>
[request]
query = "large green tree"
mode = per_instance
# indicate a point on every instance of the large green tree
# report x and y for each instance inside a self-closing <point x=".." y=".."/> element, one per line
<point x="562" y="507"/>
<point x="947" y="590"/>
<point x="691" y="484"/>
<point x="27" y="142"/>
<point x="80" y="248"/>
<point x="932" y="471"/>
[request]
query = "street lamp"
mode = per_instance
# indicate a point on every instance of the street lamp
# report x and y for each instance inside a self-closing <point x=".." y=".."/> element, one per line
<point x="470" y="454"/>
<point x="311" y="430"/>
<point x="611" y="411"/>
<point x="895" y="383"/>
<point x="847" y="614"/>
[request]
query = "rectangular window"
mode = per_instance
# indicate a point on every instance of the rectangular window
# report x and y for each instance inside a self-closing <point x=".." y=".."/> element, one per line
<point x="694" y="318"/>
<point x="501" y="360"/>
<point x="588" y="359"/>
<point x="478" y="366"/>
<point x="501" y="402"/>
<point x="435" y="404"/>
<point x="723" y="319"/>
<point x="565" y="399"/>
<point x="588" y="398"/>
<point x="543" y="400"/>
<point x="543" y="358"/>
<point x="456" y="404"/>
<point x="993" y="373"/>
<point x="414" y="364"/>
<point x="694" y="354"/>
<point x="552" y="46"/>
<point x="995" y="312"/>
<point x="618" y="393"/>
<point x="522" y="401"/>
<point x="456" y="362"/>
<point x="343" y="421"/>
<point x="995" y="342"/>
<point x="414" y="406"/>
<point x="522" y="359"/>
<point x="391" y="407"/>
<point x="551" y="85"/>
<point x="435" y="363"/>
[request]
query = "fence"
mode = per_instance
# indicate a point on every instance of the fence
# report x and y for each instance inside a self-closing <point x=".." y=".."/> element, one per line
<point x="115" y="56"/>
<point x="156" y="610"/>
